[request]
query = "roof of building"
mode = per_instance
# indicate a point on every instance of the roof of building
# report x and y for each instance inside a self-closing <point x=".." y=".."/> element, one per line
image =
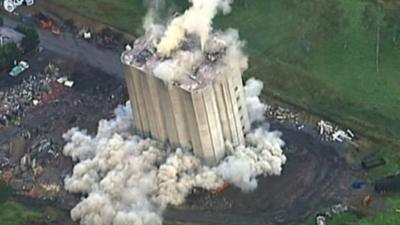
<point x="11" y="35"/>
<point x="143" y="56"/>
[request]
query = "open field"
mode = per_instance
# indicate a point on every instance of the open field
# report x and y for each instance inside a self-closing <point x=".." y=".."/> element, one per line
<point x="4" y="192"/>
<point x="123" y="14"/>
<point x="12" y="213"/>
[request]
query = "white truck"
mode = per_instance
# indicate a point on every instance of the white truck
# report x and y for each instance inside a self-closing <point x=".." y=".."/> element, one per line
<point x="11" y="5"/>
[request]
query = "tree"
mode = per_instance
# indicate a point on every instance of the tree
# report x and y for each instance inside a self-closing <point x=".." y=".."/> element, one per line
<point x="1" y="21"/>
<point x="31" y="39"/>
<point x="8" y="53"/>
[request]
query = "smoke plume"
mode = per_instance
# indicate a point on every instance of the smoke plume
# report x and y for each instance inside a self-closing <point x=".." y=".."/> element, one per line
<point x="154" y="8"/>
<point x="131" y="180"/>
<point x="255" y="107"/>
<point x="196" y="20"/>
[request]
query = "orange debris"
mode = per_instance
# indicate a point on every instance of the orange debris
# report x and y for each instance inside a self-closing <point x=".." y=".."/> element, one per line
<point x="367" y="200"/>
<point x="221" y="188"/>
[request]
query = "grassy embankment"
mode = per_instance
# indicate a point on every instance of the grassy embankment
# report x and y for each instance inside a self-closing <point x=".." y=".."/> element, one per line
<point x="12" y="213"/>
<point x="322" y="57"/>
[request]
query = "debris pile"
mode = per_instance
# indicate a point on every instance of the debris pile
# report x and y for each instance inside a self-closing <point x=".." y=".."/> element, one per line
<point x="16" y="100"/>
<point x="281" y="114"/>
<point x="329" y="132"/>
<point x="322" y="218"/>
<point x="200" y="199"/>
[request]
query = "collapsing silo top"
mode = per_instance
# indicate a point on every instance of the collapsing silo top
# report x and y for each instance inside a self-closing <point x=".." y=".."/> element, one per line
<point x="191" y="66"/>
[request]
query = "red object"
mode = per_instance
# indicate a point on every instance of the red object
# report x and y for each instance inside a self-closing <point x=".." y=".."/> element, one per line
<point x="367" y="200"/>
<point x="46" y="24"/>
<point x="220" y="189"/>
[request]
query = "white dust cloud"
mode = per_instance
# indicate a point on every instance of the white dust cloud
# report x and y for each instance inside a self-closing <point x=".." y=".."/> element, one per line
<point x="131" y="180"/>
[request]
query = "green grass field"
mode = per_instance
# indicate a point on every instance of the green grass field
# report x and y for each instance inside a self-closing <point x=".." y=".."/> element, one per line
<point x="5" y="192"/>
<point x="12" y="213"/>
<point x="123" y="14"/>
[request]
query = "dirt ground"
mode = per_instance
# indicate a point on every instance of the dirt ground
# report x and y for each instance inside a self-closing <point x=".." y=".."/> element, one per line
<point x="93" y="97"/>
<point x="315" y="177"/>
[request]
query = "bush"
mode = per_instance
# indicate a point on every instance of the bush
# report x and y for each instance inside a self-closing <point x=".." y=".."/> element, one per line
<point x="31" y="39"/>
<point x="8" y="53"/>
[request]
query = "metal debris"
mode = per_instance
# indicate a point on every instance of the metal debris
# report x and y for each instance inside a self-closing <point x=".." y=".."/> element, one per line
<point x="15" y="100"/>
<point x="329" y="132"/>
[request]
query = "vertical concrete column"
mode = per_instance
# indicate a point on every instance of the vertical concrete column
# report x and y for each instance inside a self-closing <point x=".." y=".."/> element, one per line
<point x="236" y="97"/>
<point x="243" y="109"/>
<point x="223" y="113"/>
<point x="207" y="150"/>
<point x="214" y="122"/>
<point x="168" y="117"/>
<point x="230" y="111"/>
<point x="148" y="105"/>
<point x="133" y="100"/>
<point x="178" y="112"/>
<point x="193" y="126"/>
<point x="159" y="130"/>
<point x="141" y="100"/>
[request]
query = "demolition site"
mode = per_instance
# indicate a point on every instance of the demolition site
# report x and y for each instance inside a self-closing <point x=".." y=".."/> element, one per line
<point x="190" y="96"/>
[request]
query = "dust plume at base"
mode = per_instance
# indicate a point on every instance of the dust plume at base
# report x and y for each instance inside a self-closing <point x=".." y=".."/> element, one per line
<point x="127" y="179"/>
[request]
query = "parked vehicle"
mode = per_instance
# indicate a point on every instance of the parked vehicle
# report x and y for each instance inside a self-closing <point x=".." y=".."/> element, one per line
<point x="388" y="184"/>
<point x="19" y="69"/>
<point x="372" y="161"/>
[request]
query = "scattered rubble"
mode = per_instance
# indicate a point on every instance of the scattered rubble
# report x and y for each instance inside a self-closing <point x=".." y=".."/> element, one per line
<point x="329" y="132"/>
<point x="64" y="81"/>
<point x="208" y="200"/>
<point x="322" y="218"/>
<point x="15" y="100"/>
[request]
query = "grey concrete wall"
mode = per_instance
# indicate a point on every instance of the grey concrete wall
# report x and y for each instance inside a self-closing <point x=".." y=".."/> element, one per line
<point x="201" y="120"/>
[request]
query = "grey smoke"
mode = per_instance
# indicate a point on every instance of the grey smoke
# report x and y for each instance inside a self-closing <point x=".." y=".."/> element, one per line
<point x="196" y="20"/>
<point x="131" y="180"/>
<point x="255" y="107"/>
<point x="154" y="8"/>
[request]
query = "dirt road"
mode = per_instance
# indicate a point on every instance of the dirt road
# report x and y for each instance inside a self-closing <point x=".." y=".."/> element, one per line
<point x="83" y="52"/>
